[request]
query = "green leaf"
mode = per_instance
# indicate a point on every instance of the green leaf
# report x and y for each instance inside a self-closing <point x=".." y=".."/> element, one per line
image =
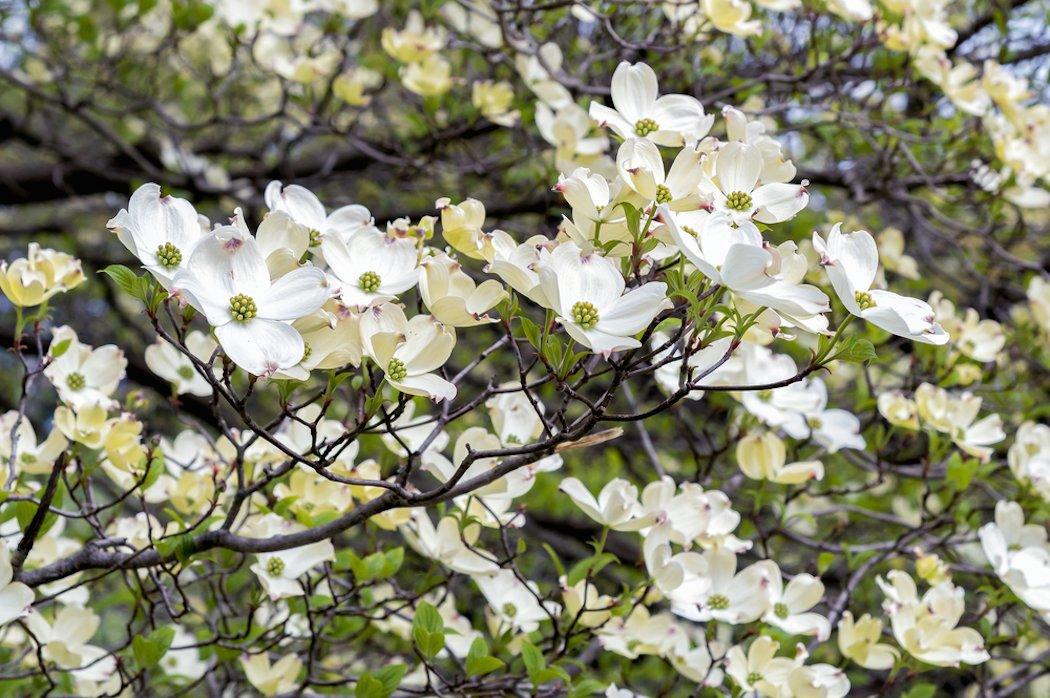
<point x="479" y="661"/>
<point x="857" y="350"/>
<point x="531" y="330"/>
<point x="428" y="630"/>
<point x="921" y="690"/>
<point x="533" y="659"/>
<point x="586" y="687"/>
<point x="380" y="683"/>
<point x="125" y="279"/>
<point x="59" y="348"/>
<point x="960" y="472"/>
<point x="149" y="649"/>
<point x="824" y="562"/>
<point x="592" y="565"/>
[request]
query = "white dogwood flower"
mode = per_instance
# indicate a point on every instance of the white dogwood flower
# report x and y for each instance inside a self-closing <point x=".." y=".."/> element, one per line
<point x="32" y="456"/>
<point x="859" y="640"/>
<point x="447" y="544"/>
<point x="641" y="167"/>
<point x="515" y="602"/>
<point x="721" y="593"/>
<point x="586" y="291"/>
<point x="616" y="506"/>
<point x="307" y="211"/>
<point x="1019" y="554"/>
<point x="161" y="231"/>
<point x="671" y="120"/>
<point x="228" y="282"/>
<point x="735" y="257"/>
<point x="790" y="605"/>
<point x="453" y="297"/>
<point x="852" y="261"/>
<point x="372" y="266"/>
<point x="409" y="351"/>
<point x="735" y="189"/>
<point x="84" y="376"/>
<point x="278" y="572"/>
<point x="175" y="367"/>
<point x="272" y="679"/>
<point x="926" y="627"/>
<point x="762" y="456"/>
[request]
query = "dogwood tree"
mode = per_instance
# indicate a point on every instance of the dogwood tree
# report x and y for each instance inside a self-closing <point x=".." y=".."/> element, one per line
<point x="506" y="347"/>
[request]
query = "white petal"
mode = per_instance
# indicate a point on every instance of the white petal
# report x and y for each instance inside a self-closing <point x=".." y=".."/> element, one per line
<point x="428" y="385"/>
<point x="261" y="347"/>
<point x="296" y="294"/>
<point x="634" y="91"/>
<point x="738" y="166"/>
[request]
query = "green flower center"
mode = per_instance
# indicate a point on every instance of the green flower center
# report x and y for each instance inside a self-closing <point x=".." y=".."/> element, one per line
<point x="739" y="201"/>
<point x="692" y="231"/>
<point x="242" y="308"/>
<point x="513" y="439"/>
<point x="718" y="602"/>
<point x="185" y="372"/>
<point x="307" y="350"/>
<point x="663" y="194"/>
<point x="646" y="126"/>
<point x="315" y="237"/>
<point x="396" y="370"/>
<point x="510" y="609"/>
<point x="369" y="282"/>
<point x="585" y="314"/>
<point x="28" y="458"/>
<point x="864" y="300"/>
<point x="169" y="256"/>
<point x="765" y="395"/>
<point x="274" y="566"/>
<point x="781" y="610"/>
<point x="754" y="677"/>
<point x="75" y="381"/>
<point x="814" y="422"/>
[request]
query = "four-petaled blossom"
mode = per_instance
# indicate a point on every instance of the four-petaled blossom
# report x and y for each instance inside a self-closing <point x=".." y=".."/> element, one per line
<point x="84" y="376"/>
<point x="616" y="507"/>
<point x="161" y="231"/>
<point x="852" y="260"/>
<point x="926" y="627"/>
<point x="453" y="297"/>
<point x="859" y="640"/>
<point x="278" y="572"/>
<point x="226" y="279"/>
<point x="373" y="266"/>
<point x="586" y="292"/>
<point x="307" y="211"/>
<point x="735" y="189"/>
<point x="38" y="276"/>
<point x="671" y="120"/>
<point x="409" y="351"/>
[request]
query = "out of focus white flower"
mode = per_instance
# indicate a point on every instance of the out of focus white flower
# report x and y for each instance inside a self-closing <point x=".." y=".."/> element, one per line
<point x="926" y="627"/>
<point x="272" y="679"/>
<point x="39" y="276"/>
<point x="859" y="641"/>
<point x="762" y="456"/>
<point x="84" y="376"/>
<point x="172" y="365"/>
